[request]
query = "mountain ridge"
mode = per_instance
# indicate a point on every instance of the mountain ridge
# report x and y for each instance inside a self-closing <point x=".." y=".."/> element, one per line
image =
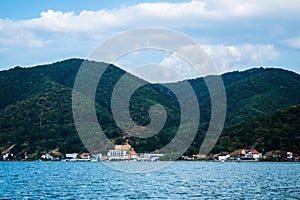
<point x="250" y="94"/>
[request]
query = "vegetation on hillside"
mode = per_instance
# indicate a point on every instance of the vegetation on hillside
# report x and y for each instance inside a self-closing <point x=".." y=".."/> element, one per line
<point x="278" y="131"/>
<point x="36" y="109"/>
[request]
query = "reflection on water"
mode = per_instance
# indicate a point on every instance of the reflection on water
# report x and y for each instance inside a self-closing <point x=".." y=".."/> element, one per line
<point x="180" y="180"/>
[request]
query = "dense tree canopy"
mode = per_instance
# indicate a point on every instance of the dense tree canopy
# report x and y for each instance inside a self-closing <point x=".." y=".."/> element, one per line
<point x="36" y="109"/>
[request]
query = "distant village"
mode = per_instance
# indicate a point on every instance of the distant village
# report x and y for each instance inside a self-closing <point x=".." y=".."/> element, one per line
<point x="126" y="153"/>
<point x="247" y="155"/>
<point x="119" y="153"/>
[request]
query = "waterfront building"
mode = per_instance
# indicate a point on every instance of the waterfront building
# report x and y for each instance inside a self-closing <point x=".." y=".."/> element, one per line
<point x="251" y="154"/>
<point x="71" y="155"/>
<point x="223" y="157"/>
<point x="150" y="156"/>
<point x="46" y="156"/>
<point x="118" y="154"/>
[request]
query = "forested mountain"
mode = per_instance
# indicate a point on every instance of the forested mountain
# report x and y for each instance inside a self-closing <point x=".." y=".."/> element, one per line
<point x="36" y="107"/>
<point x="278" y="131"/>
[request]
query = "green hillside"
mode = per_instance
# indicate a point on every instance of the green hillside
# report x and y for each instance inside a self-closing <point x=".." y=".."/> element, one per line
<point x="278" y="131"/>
<point x="38" y="116"/>
<point x="36" y="112"/>
<point x="260" y="91"/>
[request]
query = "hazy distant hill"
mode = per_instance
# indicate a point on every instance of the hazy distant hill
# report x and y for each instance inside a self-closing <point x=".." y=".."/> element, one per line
<point x="36" y="113"/>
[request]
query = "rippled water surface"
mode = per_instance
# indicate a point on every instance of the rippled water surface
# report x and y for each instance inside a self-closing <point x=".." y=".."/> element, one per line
<point x="180" y="180"/>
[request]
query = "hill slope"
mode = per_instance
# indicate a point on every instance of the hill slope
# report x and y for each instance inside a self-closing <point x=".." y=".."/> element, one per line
<point x="36" y="113"/>
<point x="278" y="131"/>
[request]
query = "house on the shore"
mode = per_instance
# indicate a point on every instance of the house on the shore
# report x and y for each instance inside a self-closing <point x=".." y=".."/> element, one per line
<point x="8" y="157"/>
<point x="290" y="156"/>
<point x="150" y="156"/>
<point x="97" y="156"/>
<point x="122" y="152"/>
<point x="223" y="157"/>
<point x="71" y="155"/>
<point x="85" y="156"/>
<point x="280" y="155"/>
<point x="46" y="156"/>
<point x="117" y="154"/>
<point x="251" y="154"/>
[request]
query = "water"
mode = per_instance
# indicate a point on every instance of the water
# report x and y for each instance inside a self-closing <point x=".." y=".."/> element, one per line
<point x="180" y="180"/>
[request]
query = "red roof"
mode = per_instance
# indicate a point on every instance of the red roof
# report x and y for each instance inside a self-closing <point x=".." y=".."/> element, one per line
<point x="254" y="151"/>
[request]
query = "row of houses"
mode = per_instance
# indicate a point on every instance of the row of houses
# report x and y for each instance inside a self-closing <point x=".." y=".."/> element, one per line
<point x="111" y="155"/>
<point x="245" y="154"/>
<point x="124" y="155"/>
<point x="253" y="154"/>
<point x="120" y="152"/>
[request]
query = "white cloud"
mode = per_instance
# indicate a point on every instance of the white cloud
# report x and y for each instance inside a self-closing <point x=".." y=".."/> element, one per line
<point x="178" y="66"/>
<point x="85" y="21"/>
<point x="226" y="58"/>
<point x="12" y="35"/>
<point x="292" y="42"/>
<point x="230" y="23"/>
<point x="171" y="14"/>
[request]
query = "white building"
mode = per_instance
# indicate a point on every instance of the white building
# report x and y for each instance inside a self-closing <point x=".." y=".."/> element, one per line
<point x="7" y="156"/>
<point x="223" y="157"/>
<point x="289" y="155"/>
<point x="117" y="154"/>
<point x="46" y="156"/>
<point x="97" y="156"/>
<point x="71" y="155"/>
<point x="252" y="154"/>
<point x="150" y="156"/>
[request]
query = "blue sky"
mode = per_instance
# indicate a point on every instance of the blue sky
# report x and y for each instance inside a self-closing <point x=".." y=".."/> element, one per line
<point x="236" y="34"/>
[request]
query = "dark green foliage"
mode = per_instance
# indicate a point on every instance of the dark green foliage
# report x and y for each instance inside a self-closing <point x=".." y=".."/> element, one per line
<point x="278" y="131"/>
<point x="36" y="108"/>
<point x="260" y="91"/>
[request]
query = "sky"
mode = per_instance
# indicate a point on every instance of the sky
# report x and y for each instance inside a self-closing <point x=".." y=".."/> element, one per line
<point x="235" y="34"/>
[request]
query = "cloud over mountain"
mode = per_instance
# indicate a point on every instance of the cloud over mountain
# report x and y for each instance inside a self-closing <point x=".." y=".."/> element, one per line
<point x="235" y="33"/>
